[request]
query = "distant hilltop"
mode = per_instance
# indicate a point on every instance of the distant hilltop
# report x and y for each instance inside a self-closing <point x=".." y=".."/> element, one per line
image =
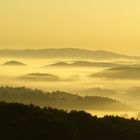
<point x="13" y="63"/>
<point x="73" y="53"/>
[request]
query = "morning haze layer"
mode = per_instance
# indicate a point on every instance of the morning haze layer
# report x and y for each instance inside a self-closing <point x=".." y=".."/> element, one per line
<point x="109" y="25"/>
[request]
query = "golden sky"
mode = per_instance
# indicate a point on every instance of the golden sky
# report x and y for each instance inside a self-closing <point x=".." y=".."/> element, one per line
<point x="112" y="25"/>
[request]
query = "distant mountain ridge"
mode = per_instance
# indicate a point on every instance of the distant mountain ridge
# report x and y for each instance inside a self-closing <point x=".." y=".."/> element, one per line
<point x="63" y="53"/>
<point x="84" y="64"/>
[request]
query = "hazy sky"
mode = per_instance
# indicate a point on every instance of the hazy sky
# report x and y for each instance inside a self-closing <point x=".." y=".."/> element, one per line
<point x="94" y="24"/>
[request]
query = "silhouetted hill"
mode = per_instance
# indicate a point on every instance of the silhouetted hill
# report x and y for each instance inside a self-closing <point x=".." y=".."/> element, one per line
<point x="13" y="63"/>
<point x="39" y="77"/>
<point x="84" y="64"/>
<point x="63" y="53"/>
<point x="59" y="64"/>
<point x="59" y="99"/>
<point x="128" y="72"/>
<point x="22" y="122"/>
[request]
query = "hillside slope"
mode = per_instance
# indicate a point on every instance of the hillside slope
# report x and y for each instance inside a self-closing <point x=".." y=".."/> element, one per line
<point x="22" y="122"/>
<point x="59" y="99"/>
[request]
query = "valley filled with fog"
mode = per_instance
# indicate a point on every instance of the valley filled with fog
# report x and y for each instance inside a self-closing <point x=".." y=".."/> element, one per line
<point x="117" y="78"/>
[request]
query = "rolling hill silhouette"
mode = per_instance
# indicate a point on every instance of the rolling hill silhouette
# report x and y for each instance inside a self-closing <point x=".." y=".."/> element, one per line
<point x="39" y="77"/>
<point x="84" y="64"/>
<point x="59" y="99"/>
<point x="63" y="53"/>
<point x="29" y="122"/>
<point x="126" y="72"/>
<point x="13" y="63"/>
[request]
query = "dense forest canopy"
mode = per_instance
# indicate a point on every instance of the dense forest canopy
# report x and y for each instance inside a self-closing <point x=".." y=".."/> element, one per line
<point x="29" y="122"/>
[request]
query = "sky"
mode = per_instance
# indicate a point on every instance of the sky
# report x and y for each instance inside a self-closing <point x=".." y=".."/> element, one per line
<point x="112" y="25"/>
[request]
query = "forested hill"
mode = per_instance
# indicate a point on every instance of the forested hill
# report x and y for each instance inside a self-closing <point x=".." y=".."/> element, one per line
<point x="28" y="122"/>
<point x="59" y="99"/>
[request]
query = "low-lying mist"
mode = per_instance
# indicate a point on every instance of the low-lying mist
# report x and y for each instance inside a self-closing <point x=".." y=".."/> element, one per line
<point x="80" y="79"/>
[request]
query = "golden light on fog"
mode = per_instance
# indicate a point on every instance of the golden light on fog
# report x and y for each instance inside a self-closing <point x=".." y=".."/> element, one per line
<point x="109" y="25"/>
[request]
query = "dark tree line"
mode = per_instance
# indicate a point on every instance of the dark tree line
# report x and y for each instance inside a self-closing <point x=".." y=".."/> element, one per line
<point x="29" y="122"/>
<point x="59" y="99"/>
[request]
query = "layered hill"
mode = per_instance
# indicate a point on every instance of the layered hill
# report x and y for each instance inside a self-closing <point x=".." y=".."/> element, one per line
<point x="83" y="64"/>
<point x="125" y="72"/>
<point x="59" y="99"/>
<point x="39" y="77"/>
<point x="13" y="63"/>
<point x="63" y="53"/>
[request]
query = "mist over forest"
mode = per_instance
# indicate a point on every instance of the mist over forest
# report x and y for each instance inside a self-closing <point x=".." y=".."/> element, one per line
<point x="69" y="70"/>
<point x="91" y="76"/>
<point x="80" y="84"/>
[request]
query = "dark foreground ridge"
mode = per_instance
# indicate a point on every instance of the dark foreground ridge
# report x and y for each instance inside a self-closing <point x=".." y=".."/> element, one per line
<point x="28" y="122"/>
